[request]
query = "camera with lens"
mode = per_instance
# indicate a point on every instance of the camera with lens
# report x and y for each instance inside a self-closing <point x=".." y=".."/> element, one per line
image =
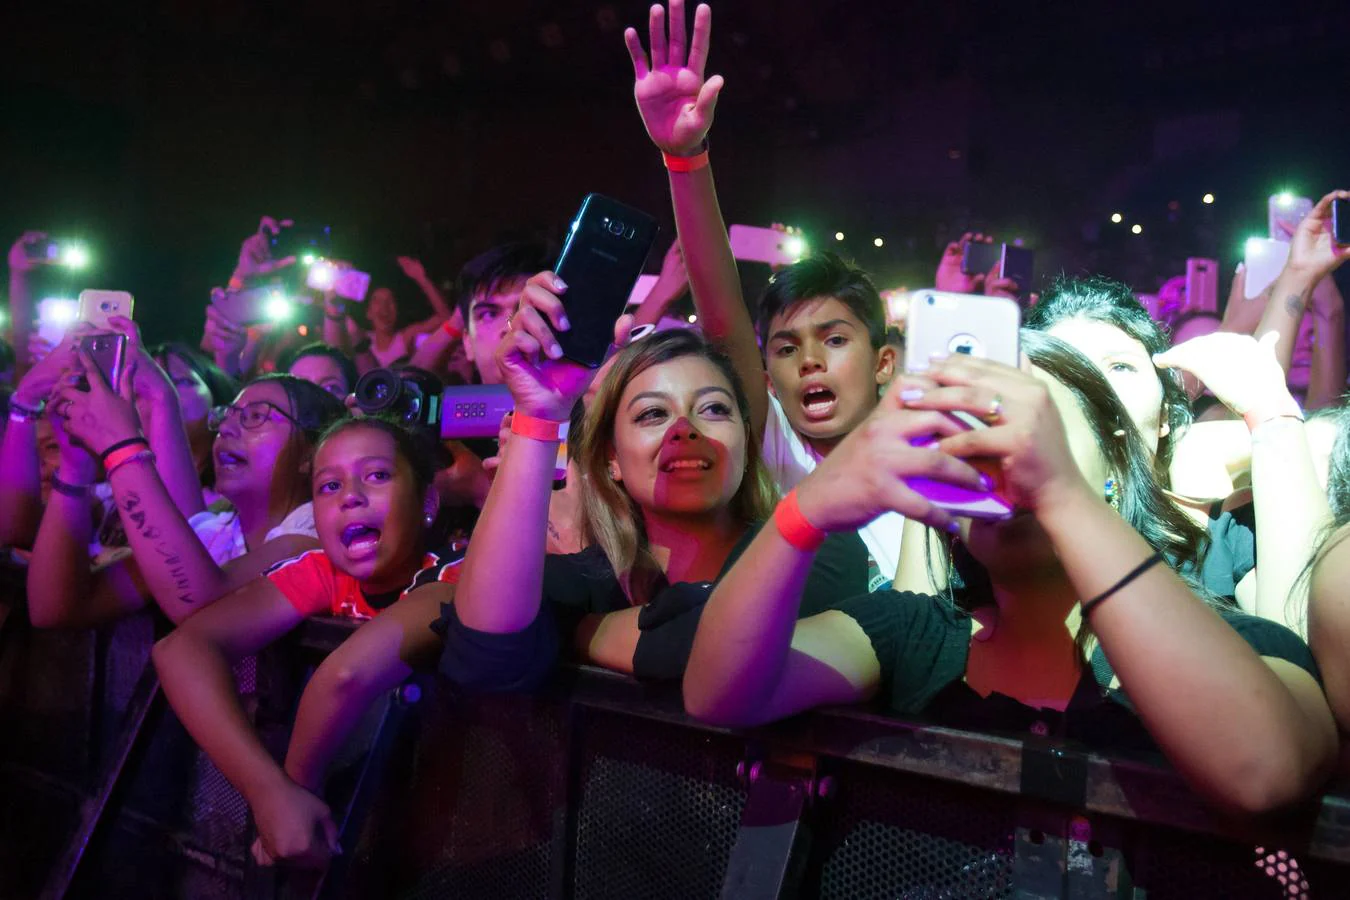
<point x="411" y="396"/>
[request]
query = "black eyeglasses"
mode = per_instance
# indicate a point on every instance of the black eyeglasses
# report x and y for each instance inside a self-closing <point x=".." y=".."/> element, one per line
<point x="252" y="416"/>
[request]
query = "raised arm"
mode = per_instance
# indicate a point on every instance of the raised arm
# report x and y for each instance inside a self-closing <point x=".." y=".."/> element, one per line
<point x="1313" y="255"/>
<point x="1326" y="373"/>
<point x="20" y="298"/>
<point x="194" y="664"/>
<point x="176" y="567"/>
<point x="677" y="107"/>
<point x="752" y="662"/>
<point x="501" y="585"/>
<point x="1329" y="621"/>
<point x="20" y="469"/>
<point x="670" y="286"/>
<point x="1291" y="507"/>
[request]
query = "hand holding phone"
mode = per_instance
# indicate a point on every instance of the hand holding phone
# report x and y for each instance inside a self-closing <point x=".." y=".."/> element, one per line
<point x="600" y="262"/>
<point x="939" y="325"/>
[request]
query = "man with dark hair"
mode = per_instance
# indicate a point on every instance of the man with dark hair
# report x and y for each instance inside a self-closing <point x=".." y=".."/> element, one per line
<point x="488" y="290"/>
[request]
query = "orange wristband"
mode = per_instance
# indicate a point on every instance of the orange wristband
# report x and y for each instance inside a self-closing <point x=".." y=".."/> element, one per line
<point x="685" y="163"/>
<point x="235" y="283"/>
<point x="537" y="429"/>
<point x="794" y="527"/>
<point x="121" y="454"/>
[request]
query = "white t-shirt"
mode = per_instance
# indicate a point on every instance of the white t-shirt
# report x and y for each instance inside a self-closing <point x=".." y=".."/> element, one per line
<point x="223" y="536"/>
<point x="790" y="459"/>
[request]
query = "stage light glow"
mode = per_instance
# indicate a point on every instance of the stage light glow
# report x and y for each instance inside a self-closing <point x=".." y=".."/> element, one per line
<point x="58" y="311"/>
<point x="1117" y="218"/>
<point x="838" y="235"/>
<point x="877" y="242"/>
<point x="1208" y="198"/>
<point x="1136" y="229"/>
<point x="308" y="259"/>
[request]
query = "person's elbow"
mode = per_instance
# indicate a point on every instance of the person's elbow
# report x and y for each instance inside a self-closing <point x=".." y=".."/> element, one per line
<point x="1276" y="780"/>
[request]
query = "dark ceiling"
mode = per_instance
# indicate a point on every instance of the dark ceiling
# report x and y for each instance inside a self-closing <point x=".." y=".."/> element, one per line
<point x="162" y="130"/>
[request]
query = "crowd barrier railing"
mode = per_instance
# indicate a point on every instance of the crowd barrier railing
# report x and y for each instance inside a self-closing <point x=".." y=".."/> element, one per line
<point x="601" y="787"/>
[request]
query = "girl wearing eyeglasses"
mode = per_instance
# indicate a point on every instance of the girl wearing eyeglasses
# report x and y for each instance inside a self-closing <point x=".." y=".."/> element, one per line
<point x="182" y="555"/>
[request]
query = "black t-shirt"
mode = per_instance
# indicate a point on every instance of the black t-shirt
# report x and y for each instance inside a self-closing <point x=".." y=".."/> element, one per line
<point x="579" y="584"/>
<point x="922" y="644"/>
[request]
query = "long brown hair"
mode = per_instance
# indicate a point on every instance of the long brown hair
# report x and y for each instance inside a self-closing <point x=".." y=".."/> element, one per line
<point x="610" y="518"/>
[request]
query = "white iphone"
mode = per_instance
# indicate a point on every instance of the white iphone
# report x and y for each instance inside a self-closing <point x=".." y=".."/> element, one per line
<point x="766" y="245"/>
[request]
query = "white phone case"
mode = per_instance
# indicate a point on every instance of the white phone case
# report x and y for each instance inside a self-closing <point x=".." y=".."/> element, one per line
<point x="97" y="307"/>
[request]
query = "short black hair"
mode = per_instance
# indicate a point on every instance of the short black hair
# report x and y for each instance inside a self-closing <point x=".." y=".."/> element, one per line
<point x="824" y="275"/>
<point x="317" y="348"/>
<point x="485" y="272"/>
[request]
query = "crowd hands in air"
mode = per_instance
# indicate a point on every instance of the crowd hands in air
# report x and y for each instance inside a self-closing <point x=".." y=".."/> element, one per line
<point x="739" y="513"/>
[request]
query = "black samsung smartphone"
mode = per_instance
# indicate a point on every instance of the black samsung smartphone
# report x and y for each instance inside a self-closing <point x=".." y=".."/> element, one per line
<point x="299" y="239"/>
<point x="1340" y="221"/>
<point x="600" y="262"/>
<point x="108" y="351"/>
<point x="42" y="251"/>
<point x="1018" y="263"/>
<point x="977" y="257"/>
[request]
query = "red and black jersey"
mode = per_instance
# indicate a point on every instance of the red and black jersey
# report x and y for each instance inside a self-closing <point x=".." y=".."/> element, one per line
<point x="316" y="587"/>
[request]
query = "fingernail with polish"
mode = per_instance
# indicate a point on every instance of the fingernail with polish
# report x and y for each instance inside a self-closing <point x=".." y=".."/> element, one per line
<point x="559" y="284"/>
<point x="563" y="323"/>
<point x="554" y="351"/>
<point x="909" y="394"/>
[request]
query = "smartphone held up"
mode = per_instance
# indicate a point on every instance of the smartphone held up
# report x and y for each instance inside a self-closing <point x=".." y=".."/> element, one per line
<point x="941" y="324"/>
<point x="603" y="255"/>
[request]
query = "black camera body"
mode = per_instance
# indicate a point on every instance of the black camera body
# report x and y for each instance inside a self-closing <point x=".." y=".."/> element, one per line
<point x="410" y="396"/>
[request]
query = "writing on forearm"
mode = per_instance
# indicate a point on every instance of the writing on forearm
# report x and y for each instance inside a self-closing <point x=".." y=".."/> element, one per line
<point x="133" y="512"/>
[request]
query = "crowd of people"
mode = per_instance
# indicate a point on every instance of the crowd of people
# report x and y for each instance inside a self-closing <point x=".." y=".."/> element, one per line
<point x="737" y="513"/>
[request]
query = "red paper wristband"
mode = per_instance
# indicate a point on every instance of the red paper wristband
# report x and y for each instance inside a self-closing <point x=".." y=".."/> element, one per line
<point x="685" y="163"/>
<point x="452" y="330"/>
<point x="1286" y="408"/>
<point x="235" y="283"/>
<point x="794" y="527"/>
<point x="537" y="429"/>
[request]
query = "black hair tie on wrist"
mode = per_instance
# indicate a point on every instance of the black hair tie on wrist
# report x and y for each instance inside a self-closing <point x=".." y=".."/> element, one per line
<point x="1134" y="573"/>
<point x="129" y="442"/>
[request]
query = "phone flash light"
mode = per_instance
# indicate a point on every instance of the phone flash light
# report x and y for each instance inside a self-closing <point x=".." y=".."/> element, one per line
<point x="838" y="235"/>
<point x="278" y="308"/>
<point x="1208" y="198"/>
<point x="1284" y="199"/>
<point x="322" y="276"/>
<point x="795" y="247"/>
<point x="1117" y="218"/>
<point x="1136" y="229"/>
<point x="1254" y="246"/>
<point x="75" y="257"/>
<point x="877" y="242"/>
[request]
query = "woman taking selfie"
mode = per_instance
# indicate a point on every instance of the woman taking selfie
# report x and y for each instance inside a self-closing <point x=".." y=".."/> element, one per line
<point x="182" y="561"/>
<point x="1068" y="620"/>
<point x="672" y="492"/>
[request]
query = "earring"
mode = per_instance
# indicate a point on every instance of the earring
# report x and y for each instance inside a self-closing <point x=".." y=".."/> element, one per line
<point x="1111" y="493"/>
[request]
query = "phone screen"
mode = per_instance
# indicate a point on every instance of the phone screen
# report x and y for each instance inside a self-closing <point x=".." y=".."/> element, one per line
<point x="1340" y="221"/>
<point x="1018" y="264"/>
<point x="606" y="248"/>
<point x="978" y="258"/>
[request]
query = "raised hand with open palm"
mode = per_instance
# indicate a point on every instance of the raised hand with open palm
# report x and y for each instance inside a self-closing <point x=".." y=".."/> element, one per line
<point x="675" y="101"/>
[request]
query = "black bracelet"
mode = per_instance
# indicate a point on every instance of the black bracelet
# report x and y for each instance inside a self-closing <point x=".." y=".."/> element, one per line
<point x="131" y="441"/>
<point x="1134" y="573"/>
<point x="27" y="412"/>
<point x="70" y="490"/>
